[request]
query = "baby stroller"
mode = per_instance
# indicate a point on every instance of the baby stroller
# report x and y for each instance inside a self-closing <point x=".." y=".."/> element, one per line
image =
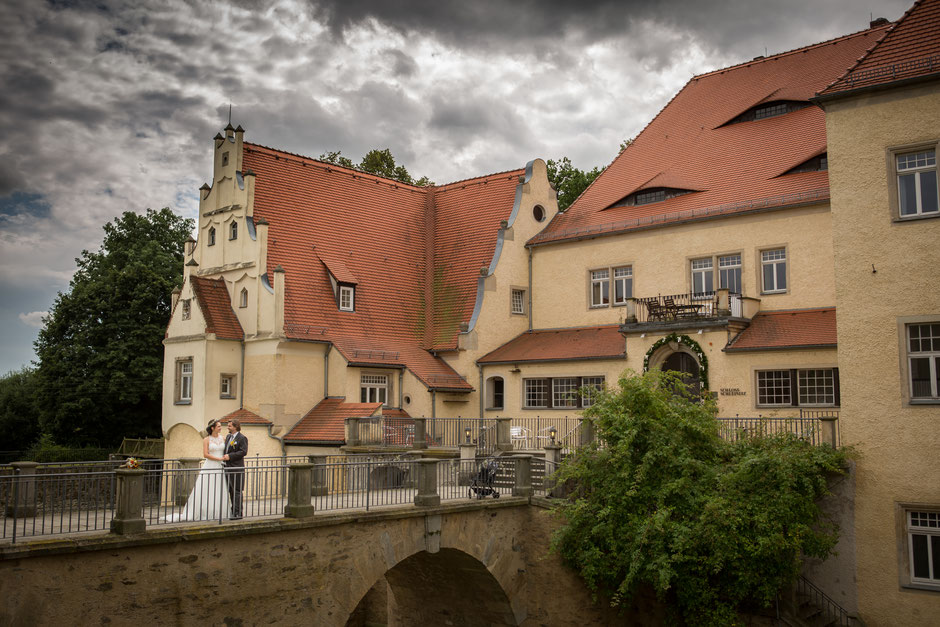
<point x="482" y="484"/>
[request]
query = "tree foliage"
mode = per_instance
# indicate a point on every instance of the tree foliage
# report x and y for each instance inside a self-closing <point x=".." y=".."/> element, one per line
<point x="568" y="180"/>
<point x="379" y="162"/>
<point x="667" y="503"/>
<point x="101" y="352"/>
<point x="19" y="412"/>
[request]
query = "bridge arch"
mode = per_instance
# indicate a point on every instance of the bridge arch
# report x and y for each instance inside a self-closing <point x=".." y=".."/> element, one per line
<point x="448" y="587"/>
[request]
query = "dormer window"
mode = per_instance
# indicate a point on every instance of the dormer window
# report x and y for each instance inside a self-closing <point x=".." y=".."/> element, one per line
<point x="651" y="195"/>
<point x="769" y="110"/>
<point x="233" y="230"/>
<point x="818" y="163"/>
<point x="211" y="236"/>
<point x="243" y="298"/>
<point x="347" y="298"/>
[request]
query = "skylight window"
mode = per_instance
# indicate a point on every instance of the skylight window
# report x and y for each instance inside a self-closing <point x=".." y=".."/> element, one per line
<point x="819" y="163"/>
<point x="654" y="194"/>
<point x="769" y="110"/>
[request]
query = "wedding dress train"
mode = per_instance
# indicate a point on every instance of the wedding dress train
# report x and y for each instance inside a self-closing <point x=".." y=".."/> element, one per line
<point x="209" y="499"/>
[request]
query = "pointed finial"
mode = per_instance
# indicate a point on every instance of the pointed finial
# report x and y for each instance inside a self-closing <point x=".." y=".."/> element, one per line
<point x="230" y="114"/>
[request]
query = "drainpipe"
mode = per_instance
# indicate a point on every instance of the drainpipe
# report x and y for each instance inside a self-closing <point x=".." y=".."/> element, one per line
<point x="433" y="404"/>
<point x="482" y="390"/>
<point x="326" y="370"/>
<point x="241" y="394"/>
<point x="530" y="289"/>
<point x="401" y="383"/>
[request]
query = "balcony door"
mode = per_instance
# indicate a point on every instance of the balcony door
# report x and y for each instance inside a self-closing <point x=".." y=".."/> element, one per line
<point x="685" y="363"/>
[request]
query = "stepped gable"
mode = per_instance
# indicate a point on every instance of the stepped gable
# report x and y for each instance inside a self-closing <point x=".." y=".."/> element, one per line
<point x="326" y="422"/>
<point x="694" y="144"/>
<point x="788" y="329"/>
<point x="413" y="253"/>
<point x="216" y="305"/>
<point x="910" y="49"/>
<point x="601" y="342"/>
<point x="246" y="417"/>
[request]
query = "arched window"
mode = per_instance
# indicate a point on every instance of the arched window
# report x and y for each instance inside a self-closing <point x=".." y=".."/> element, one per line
<point x="243" y="298"/>
<point x="233" y="230"/>
<point x="494" y="393"/>
<point x="212" y="236"/>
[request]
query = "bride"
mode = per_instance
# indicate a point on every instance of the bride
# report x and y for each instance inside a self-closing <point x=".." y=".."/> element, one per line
<point x="209" y="498"/>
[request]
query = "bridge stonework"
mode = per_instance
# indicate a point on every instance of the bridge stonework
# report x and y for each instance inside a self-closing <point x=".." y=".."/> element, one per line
<point x="473" y="563"/>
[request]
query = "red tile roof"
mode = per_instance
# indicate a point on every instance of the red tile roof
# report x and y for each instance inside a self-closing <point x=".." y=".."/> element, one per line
<point x="395" y="413"/>
<point x="216" y="305"/>
<point x="909" y="49"/>
<point x="326" y="422"/>
<point x="415" y="254"/>
<point x="736" y="167"/>
<point x="792" y="329"/>
<point x="604" y="342"/>
<point x="246" y="417"/>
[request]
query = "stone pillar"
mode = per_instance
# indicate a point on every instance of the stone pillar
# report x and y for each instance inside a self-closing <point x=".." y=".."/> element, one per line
<point x="587" y="431"/>
<point x="299" y="488"/>
<point x="319" y="485"/>
<point x="552" y="461"/>
<point x="468" y="461"/>
<point x="186" y="480"/>
<point x="829" y="431"/>
<point x="129" y="510"/>
<point x="25" y="503"/>
<point x="523" y="484"/>
<point x="352" y="432"/>
<point x="503" y="439"/>
<point x="723" y="302"/>
<point x="630" y="313"/>
<point x="421" y="431"/>
<point x="427" y="495"/>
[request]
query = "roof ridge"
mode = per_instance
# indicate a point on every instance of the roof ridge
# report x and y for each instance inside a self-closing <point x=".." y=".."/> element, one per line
<point x="478" y="179"/>
<point x="798" y="310"/>
<point x="785" y="53"/>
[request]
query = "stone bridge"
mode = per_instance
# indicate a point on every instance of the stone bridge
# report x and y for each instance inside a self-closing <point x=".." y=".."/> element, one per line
<point x="466" y="563"/>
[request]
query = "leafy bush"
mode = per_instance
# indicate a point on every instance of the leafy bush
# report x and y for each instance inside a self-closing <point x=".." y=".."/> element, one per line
<point x="665" y="502"/>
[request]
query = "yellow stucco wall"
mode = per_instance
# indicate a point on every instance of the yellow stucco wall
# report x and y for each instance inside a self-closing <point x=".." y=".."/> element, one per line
<point x="886" y="277"/>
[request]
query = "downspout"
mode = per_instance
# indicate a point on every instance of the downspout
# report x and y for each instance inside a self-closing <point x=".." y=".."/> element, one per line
<point x="326" y="370"/>
<point x="482" y="391"/>
<point x="241" y="393"/>
<point x="401" y="383"/>
<point x="530" y="289"/>
<point x="433" y="403"/>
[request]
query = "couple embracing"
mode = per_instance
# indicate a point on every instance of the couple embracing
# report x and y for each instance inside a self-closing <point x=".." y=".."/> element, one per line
<point x="221" y="481"/>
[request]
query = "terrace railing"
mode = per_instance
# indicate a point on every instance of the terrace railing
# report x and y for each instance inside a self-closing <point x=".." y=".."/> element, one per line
<point x="821" y="430"/>
<point x="686" y="307"/>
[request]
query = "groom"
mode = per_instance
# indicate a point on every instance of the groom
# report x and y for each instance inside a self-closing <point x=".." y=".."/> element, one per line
<point x="236" y="447"/>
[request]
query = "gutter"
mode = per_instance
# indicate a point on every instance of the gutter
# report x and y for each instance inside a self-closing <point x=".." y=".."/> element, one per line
<point x="779" y="348"/>
<point x="820" y="99"/>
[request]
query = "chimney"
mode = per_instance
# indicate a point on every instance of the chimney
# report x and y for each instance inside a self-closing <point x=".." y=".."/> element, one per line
<point x="878" y="21"/>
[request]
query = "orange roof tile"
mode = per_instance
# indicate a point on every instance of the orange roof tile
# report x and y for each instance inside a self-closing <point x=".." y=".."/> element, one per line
<point x="326" y="422"/>
<point x="415" y="254"/>
<point x="216" y="305"/>
<point x="736" y="166"/>
<point x="246" y="417"/>
<point x="604" y="342"/>
<point x="791" y="329"/>
<point x="909" y="49"/>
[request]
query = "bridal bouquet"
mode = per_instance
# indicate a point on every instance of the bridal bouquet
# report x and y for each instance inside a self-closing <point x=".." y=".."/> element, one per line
<point x="131" y="462"/>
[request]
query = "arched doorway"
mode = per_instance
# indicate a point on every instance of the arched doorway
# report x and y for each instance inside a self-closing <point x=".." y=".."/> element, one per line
<point x="449" y="587"/>
<point x="688" y="367"/>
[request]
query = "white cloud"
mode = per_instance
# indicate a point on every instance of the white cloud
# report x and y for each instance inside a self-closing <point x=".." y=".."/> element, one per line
<point x="33" y="318"/>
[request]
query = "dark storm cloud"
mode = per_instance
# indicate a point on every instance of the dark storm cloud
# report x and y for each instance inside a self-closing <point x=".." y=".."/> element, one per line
<point x="403" y="65"/>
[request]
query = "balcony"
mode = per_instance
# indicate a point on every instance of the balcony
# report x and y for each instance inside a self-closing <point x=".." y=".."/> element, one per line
<point x="676" y="311"/>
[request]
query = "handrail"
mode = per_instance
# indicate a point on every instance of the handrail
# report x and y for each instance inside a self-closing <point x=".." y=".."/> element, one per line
<point x="832" y="610"/>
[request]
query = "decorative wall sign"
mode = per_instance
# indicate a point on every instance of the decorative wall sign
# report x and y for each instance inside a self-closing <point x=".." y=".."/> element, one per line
<point x="733" y="392"/>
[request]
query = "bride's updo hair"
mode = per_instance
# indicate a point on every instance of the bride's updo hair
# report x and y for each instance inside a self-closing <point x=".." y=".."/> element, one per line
<point x="211" y="425"/>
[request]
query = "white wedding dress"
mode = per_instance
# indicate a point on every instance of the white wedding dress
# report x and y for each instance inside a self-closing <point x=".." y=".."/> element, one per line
<point x="209" y="498"/>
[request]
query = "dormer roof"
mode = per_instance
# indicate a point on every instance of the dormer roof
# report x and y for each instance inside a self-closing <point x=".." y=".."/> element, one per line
<point x="216" y="305"/>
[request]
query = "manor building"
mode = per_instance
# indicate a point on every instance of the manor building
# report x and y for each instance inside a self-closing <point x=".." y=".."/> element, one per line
<point x="718" y="243"/>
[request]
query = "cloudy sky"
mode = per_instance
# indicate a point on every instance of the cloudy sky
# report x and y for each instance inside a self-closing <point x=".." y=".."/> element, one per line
<point x="108" y="106"/>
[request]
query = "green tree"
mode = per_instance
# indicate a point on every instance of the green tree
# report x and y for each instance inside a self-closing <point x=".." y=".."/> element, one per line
<point x="568" y="180"/>
<point x="100" y="352"/>
<point x="708" y="524"/>
<point x="379" y="162"/>
<point x="19" y="413"/>
<point x="336" y="156"/>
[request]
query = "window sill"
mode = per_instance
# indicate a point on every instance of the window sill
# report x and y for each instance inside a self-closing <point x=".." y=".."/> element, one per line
<point x="917" y="218"/>
<point x="913" y="585"/>
<point x="494" y="409"/>
<point x="773" y="293"/>
<point x="516" y="313"/>
<point x="229" y="397"/>
<point x="599" y="307"/>
<point x="182" y="402"/>
<point x="923" y="401"/>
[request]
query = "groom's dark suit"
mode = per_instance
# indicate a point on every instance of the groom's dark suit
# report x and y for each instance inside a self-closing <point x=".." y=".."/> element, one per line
<point x="236" y="447"/>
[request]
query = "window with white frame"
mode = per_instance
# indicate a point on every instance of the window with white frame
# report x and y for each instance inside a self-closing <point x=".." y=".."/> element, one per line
<point x="623" y="284"/>
<point x="703" y="278"/>
<point x="373" y="388"/>
<point x="559" y="392"/>
<point x="600" y="288"/>
<point x="917" y="183"/>
<point x="923" y="546"/>
<point x="227" y="386"/>
<point x="773" y="270"/>
<point x="211" y="241"/>
<point x="805" y="387"/>
<point x="517" y="301"/>
<point x="729" y="273"/>
<point x="243" y="297"/>
<point x="923" y="360"/>
<point x="347" y="295"/>
<point x="184" y="381"/>
<point x="233" y="230"/>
